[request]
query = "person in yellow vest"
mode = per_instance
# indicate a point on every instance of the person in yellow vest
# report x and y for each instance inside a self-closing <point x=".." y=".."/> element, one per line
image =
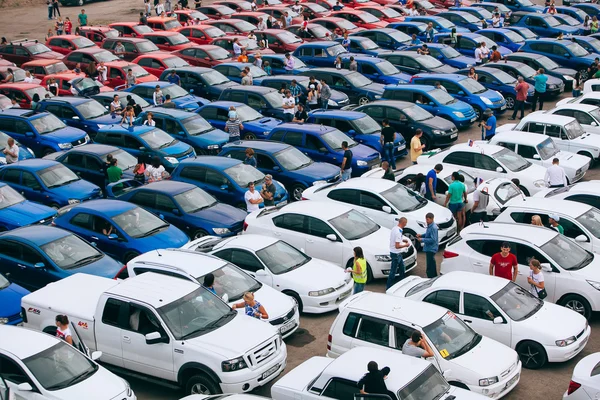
<point x="359" y="270"/>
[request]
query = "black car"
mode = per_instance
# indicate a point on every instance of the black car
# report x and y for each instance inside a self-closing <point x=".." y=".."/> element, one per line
<point x="413" y="63"/>
<point x="554" y="85"/>
<point x="337" y="100"/>
<point x="201" y="81"/>
<point x="537" y="61"/>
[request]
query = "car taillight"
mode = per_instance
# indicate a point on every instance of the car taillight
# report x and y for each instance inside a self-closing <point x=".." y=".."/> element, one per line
<point x="304" y="198"/>
<point x="245" y="226"/>
<point x="449" y="254"/>
<point x="329" y="342"/>
<point x="573" y="386"/>
<point x="122" y="274"/>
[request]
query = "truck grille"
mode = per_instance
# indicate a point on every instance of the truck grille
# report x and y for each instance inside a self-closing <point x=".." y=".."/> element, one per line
<point x="285" y="318"/>
<point x="263" y="353"/>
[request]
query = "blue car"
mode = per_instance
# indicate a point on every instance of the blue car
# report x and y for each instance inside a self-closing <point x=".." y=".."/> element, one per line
<point x="43" y="133"/>
<point x="205" y="82"/>
<point x="466" y="89"/>
<point x="591" y="9"/>
<point x="187" y="127"/>
<point x="411" y="28"/>
<point x="436" y="101"/>
<point x="467" y="43"/>
<point x="537" y="61"/>
<point x="24" y="152"/>
<point x="447" y="55"/>
<point x="337" y="100"/>
<point x="477" y="11"/>
<point x="105" y="98"/>
<point x="359" y="126"/>
<point x="569" y="21"/>
<point x="120" y="229"/>
<point x="79" y="112"/>
<point x="226" y="179"/>
<point x="255" y="124"/>
<point x="564" y="52"/>
<point x="504" y="37"/>
<point x="189" y="208"/>
<point x="500" y="81"/>
<point x="320" y="54"/>
<point x="179" y="96"/>
<point x="265" y="100"/>
<point x="440" y="24"/>
<point x="10" y="302"/>
<point x="48" y="182"/>
<point x="277" y="63"/>
<point x="364" y="45"/>
<point x="145" y="142"/>
<point x="34" y="256"/>
<point x="233" y="71"/>
<point x="359" y="88"/>
<point x="89" y="162"/>
<point x="410" y="62"/>
<point x="544" y="25"/>
<point x="324" y="143"/>
<point x="378" y="70"/>
<point x="554" y="86"/>
<point x="524" y="32"/>
<point x="15" y="211"/>
<point x="386" y="38"/>
<point x="286" y="164"/>
<point x="462" y="19"/>
<point x="494" y="7"/>
<point x="517" y="5"/>
<point x="589" y="43"/>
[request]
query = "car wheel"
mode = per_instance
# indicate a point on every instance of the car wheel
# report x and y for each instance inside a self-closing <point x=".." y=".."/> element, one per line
<point x="199" y="233"/>
<point x="577" y="304"/>
<point x="583" y="74"/>
<point x="413" y="238"/>
<point x="425" y="141"/>
<point x="249" y="136"/>
<point x="295" y="297"/>
<point x="363" y="100"/>
<point x="478" y="112"/>
<point x="532" y="355"/>
<point x="296" y="192"/>
<point x="202" y="384"/>
<point x="510" y="102"/>
<point x="129" y="256"/>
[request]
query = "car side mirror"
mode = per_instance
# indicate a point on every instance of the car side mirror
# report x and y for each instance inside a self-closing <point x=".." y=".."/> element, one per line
<point x="29" y="134"/>
<point x="155" y="337"/>
<point x="24" y="387"/>
<point x="581" y="239"/>
<point x="331" y="237"/>
<point x="499" y="169"/>
<point x="75" y="117"/>
<point x="440" y="57"/>
<point x="386" y="209"/>
<point x="498" y="321"/>
<point x="261" y="272"/>
<point x="447" y="373"/>
<point x="224" y="187"/>
<point x="546" y="267"/>
<point x="113" y="236"/>
<point x="191" y="91"/>
<point x="536" y="156"/>
<point x="39" y="265"/>
<point x="567" y="55"/>
<point x="142" y="148"/>
<point x="351" y="132"/>
<point x="593" y="123"/>
<point x="276" y="168"/>
<point x="96" y="355"/>
<point x="461" y="93"/>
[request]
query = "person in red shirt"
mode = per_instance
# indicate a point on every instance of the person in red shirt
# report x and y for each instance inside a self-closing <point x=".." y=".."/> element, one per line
<point x="504" y="264"/>
<point x="521" y="88"/>
<point x="495" y="56"/>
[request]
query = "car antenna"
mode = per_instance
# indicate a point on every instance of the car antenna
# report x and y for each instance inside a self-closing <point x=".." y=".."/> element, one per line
<point x="158" y="252"/>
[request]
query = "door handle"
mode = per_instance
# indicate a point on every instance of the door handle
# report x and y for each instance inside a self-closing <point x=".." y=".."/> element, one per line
<point x="21" y="266"/>
<point x="126" y="339"/>
<point x="478" y="264"/>
<point x="310" y="241"/>
<point x="467" y="320"/>
<point x="94" y="237"/>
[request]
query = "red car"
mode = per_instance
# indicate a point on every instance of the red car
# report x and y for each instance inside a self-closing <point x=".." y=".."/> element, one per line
<point x="85" y="56"/>
<point x="337" y="25"/>
<point x="201" y="34"/>
<point x="21" y="52"/>
<point x="5" y="102"/>
<point x="133" y="29"/>
<point x="164" y="23"/>
<point x="18" y="74"/>
<point x="97" y="34"/>
<point x="155" y="63"/>
<point x="361" y="19"/>
<point x="272" y="3"/>
<point x="116" y="71"/>
<point x="252" y="16"/>
<point x="237" y="5"/>
<point x="169" y="41"/>
<point x="6" y="63"/>
<point x="314" y="10"/>
<point x="326" y="4"/>
<point x="357" y="3"/>
<point x="277" y="12"/>
<point x="429" y="8"/>
<point x="186" y="16"/>
<point x="216" y="11"/>
<point x="383" y="13"/>
<point x="64" y="83"/>
<point x="233" y="26"/>
<point x="132" y="47"/>
<point x="313" y="32"/>
<point x="280" y="40"/>
<point x="23" y="92"/>
<point x="250" y="46"/>
<point x="204" y="56"/>
<point x="65" y="44"/>
<point x="41" y="68"/>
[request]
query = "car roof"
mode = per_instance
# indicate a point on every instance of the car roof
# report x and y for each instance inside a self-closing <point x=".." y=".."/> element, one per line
<point x="543" y="117"/>
<point x="195" y="263"/>
<point x="513" y="64"/>
<point x="21" y="86"/>
<point x="321" y="44"/>
<point x="67" y="99"/>
<point x="571" y="208"/>
<point x="172" y="112"/>
<point x="297" y="78"/>
<point x="19" y="112"/>
<point x="249" y="241"/>
<point x="266" y="145"/>
<point x="94" y="148"/>
<point x="41" y="62"/>
<point x="133" y="130"/>
<point x="219" y="162"/>
<point x="525" y="55"/>
<point x="253" y="89"/>
<point x="338" y="114"/>
<point x="309" y="128"/>
<point x="364" y="58"/>
<point x="315" y="208"/>
<point x="579" y="106"/>
<point x="485" y="147"/>
<point x="425" y="88"/>
<point x="169" y="187"/>
<point x="481" y="283"/>
<point x="38" y="234"/>
<point x="504" y="231"/>
<point x="162" y="84"/>
<point x="24" y="342"/>
<point x="200" y="70"/>
<point x="107" y="207"/>
<point x="89" y="50"/>
<point x="161" y="33"/>
<point x="394" y="103"/>
<point x="126" y="39"/>
<point x="521" y="137"/>
<point x="368" y="184"/>
<point x="33" y="164"/>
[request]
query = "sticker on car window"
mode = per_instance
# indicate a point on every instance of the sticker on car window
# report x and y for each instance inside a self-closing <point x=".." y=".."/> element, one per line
<point x="444" y="353"/>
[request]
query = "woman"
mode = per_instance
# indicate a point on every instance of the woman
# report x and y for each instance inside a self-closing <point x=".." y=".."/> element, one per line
<point x="536" y="279"/>
<point x="312" y="98"/>
<point x="252" y="307"/>
<point x="68" y="26"/>
<point x="536" y="220"/>
<point x="149" y="121"/>
<point x="250" y="159"/>
<point x="454" y="37"/>
<point x="473" y="74"/>
<point x="128" y="116"/>
<point x="552" y="10"/>
<point x="267" y="68"/>
<point x="28" y="78"/>
<point x="59" y="26"/>
<point x="34" y="101"/>
<point x="52" y="87"/>
<point x="157" y="96"/>
<point x="258" y="62"/>
<point x="115" y="105"/>
<point x="587" y="25"/>
<point x="155" y="171"/>
<point x="63" y="331"/>
<point x="338" y="62"/>
<point x="139" y="171"/>
<point x="594" y="25"/>
<point x="91" y="70"/>
<point x="359" y="270"/>
<point x="101" y="72"/>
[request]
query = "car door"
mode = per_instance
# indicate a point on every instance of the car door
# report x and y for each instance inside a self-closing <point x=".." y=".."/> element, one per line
<point x="115" y="77"/>
<point x="464" y="160"/>
<point x="524" y="253"/>
<point x="372" y="332"/>
<point x="487" y="167"/>
<point x="167" y="209"/>
<point x="76" y="163"/>
<point x="95" y="170"/>
<point x="96" y="230"/>
<point x="249" y="263"/>
<point x="292" y="228"/>
<point x="14" y="374"/>
<point x="479" y="312"/>
<point x="483" y="250"/>
<point x="319" y="246"/>
<point x="33" y="188"/>
<point x="36" y="268"/>
<point x="372" y="205"/>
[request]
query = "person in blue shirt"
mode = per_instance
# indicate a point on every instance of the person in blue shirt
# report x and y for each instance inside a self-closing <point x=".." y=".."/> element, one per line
<point x="540" y="81"/>
<point x="490" y="124"/>
<point x="415" y="39"/>
<point x="430" y="245"/>
<point x="174" y="78"/>
<point x="209" y="280"/>
<point x="250" y="159"/>
<point x="431" y="182"/>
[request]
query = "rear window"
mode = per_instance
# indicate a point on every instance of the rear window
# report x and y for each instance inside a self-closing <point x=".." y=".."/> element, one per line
<point x="596" y="370"/>
<point x="421" y="286"/>
<point x="351" y="324"/>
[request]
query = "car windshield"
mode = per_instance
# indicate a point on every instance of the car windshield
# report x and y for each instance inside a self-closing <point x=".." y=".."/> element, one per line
<point x="5" y="103"/>
<point x="484" y="14"/>
<point x="449" y="52"/>
<point x="441" y="96"/>
<point x="249" y="44"/>
<point x="470" y="18"/>
<point x="526" y="71"/>
<point x="368" y="44"/>
<point x="469" y="180"/>
<point x="124" y="159"/>
<point x="146" y="47"/>
<point x="158" y="139"/>
<point x="425" y="284"/>
<point x="38" y="48"/>
<point x="504" y="77"/>
<point x="472" y="86"/>
<point x="136" y="70"/>
<point x="56" y="68"/>
<point x="111" y="33"/>
<point x="318" y="31"/>
<point x="18" y="74"/>
<point x="233" y="282"/>
<point x="177" y="39"/>
<point x="172" y="24"/>
<point x="426" y="5"/>
<point x="513" y="36"/>
<point x="247" y="113"/>
<point x="214" y="32"/>
<point x="85" y="83"/>
<point x="511" y="160"/>
<point x="198" y="15"/>
<point x="56" y="176"/>
<point x="335" y="138"/>
<point x="365" y="125"/>
<point x="244" y="26"/>
<point x="292" y="159"/>
<point x="194" y="200"/>
<point x="175" y="91"/>
<point x="218" y="53"/>
<point x="451" y="337"/>
<point x="367" y="17"/>
<point x="591" y="220"/>
<point x="196" y="313"/>
<point x="91" y="109"/>
<point x="106" y="56"/>
<point x="428" y="62"/>
<point x="568" y="254"/>
<point x="596" y="114"/>
<point x="41" y="91"/>
<point x="196" y="125"/>
<point x="526" y="33"/>
<point x="574" y="130"/>
<point x="140" y="29"/>
<point x="139" y="223"/>
<point x="175" y="62"/>
<point x="387" y="68"/>
<point x="417" y="113"/>
<point x="281" y="257"/>
<point x="9" y="197"/>
<point x="336" y="49"/>
<point x="288" y="37"/>
<point x="316" y="8"/>
<point x="390" y="12"/>
<point x="567" y="20"/>
<point x="547" y="149"/>
<point x="71" y="252"/>
<point x="60" y="366"/>
<point x="274" y="99"/>
<point x="82" y="42"/>
<point x="257" y="72"/>
<point x="517" y="302"/>
<point x="358" y="80"/>
<point x="353" y="225"/>
<point x="576" y="49"/>
<point x="404" y="199"/>
<point x="242" y="174"/>
<point x="224" y="10"/>
<point x="428" y="385"/>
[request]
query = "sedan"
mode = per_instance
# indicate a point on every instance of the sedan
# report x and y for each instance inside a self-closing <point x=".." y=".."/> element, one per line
<point x="585" y="381"/>
<point x="204" y="55"/>
<point x="16" y="211"/>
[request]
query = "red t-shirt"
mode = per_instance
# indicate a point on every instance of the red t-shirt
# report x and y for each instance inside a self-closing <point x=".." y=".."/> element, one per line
<point x="503" y="266"/>
<point x="522" y="89"/>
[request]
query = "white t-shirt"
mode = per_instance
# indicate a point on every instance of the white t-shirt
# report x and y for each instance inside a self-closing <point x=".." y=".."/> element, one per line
<point x="150" y="123"/>
<point x="395" y="237"/>
<point x="252" y="196"/>
<point x="155" y="174"/>
<point x="14" y="149"/>
<point x="63" y="334"/>
<point x="478" y="55"/>
<point x="237" y="49"/>
<point x="289" y="101"/>
<point x="537" y="278"/>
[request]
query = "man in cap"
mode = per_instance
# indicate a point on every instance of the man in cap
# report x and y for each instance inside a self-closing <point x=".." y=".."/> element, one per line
<point x="553" y="219"/>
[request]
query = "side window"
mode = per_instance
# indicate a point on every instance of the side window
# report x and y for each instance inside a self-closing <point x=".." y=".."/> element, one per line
<point x="460" y="158"/>
<point x="449" y="299"/>
<point x="83" y="220"/>
<point x="92" y="163"/>
<point x="75" y="160"/>
<point x="264" y="161"/>
<point x="131" y="143"/>
<point x="374" y="331"/>
<point x="10" y="249"/>
<point x="485" y="162"/>
<point x="526" y="151"/>
<point x="143" y="321"/>
<point x="378" y="112"/>
<point x="293" y="222"/>
<point x="245" y="260"/>
<point x="583" y="118"/>
<point x="510" y="146"/>
<point x="209" y="113"/>
<point x="112" y="309"/>
<point x="215" y="178"/>
<point x="368" y="69"/>
<point x="164" y="203"/>
<point x="369" y="200"/>
<point x="486" y="247"/>
<point x="29" y="180"/>
<point x="12" y="176"/>
<point x="340" y="389"/>
<point x="194" y="173"/>
<point x="351" y="324"/>
<point x="315" y="143"/>
<point x="278" y="136"/>
<point x="318" y="228"/>
<point x="535" y="127"/>
<point x="293" y="138"/>
<point x="12" y="372"/>
<point x="479" y="307"/>
<point x="553" y="131"/>
<point x="349" y="196"/>
<point x="143" y="199"/>
<point x="114" y="139"/>
<point x="465" y="43"/>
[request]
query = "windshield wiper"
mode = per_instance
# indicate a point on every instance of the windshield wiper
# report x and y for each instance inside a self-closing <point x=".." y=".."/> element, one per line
<point x="467" y="346"/>
<point x="62" y="183"/>
<point x="89" y="259"/>
<point x="162" y="146"/>
<point x="73" y="380"/>
<point x="155" y="230"/>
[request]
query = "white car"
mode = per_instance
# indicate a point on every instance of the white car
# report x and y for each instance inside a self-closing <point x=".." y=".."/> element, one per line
<point x="585" y="382"/>
<point x="487" y="161"/>
<point x="586" y="114"/>
<point x="383" y="201"/>
<point x="566" y="132"/>
<point x="284" y="268"/>
<point x="377" y="320"/>
<point x="501" y="310"/>
<point x="591" y="85"/>
<point x="330" y="232"/>
<point x="592" y="98"/>
<point x="571" y="273"/>
<point x="580" y="222"/>
<point x="542" y="151"/>
<point x="38" y="366"/>
<point x="230" y="282"/>
<point x="582" y="192"/>
<point x="228" y="396"/>
<point x="337" y="379"/>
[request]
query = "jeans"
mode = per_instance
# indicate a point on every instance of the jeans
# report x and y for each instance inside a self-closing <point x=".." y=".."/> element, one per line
<point x="428" y="196"/>
<point x="477" y="217"/>
<point x="358" y="287"/>
<point x="431" y="266"/>
<point x="519" y="105"/>
<point x="538" y="96"/>
<point x="388" y="154"/>
<point x="396" y="267"/>
<point x="324" y="103"/>
<point x="346" y="174"/>
<point x="50" y="10"/>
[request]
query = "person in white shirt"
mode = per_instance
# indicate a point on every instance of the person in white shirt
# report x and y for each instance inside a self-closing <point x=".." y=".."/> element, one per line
<point x="555" y="175"/>
<point x="485" y="52"/>
<point x="262" y="24"/>
<point x="398" y="245"/>
<point x="155" y="171"/>
<point x="289" y="106"/>
<point x="297" y="8"/>
<point x="478" y="54"/>
<point x="28" y="78"/>
<point x="253" y="198"/>
<point x="11" y="151"/>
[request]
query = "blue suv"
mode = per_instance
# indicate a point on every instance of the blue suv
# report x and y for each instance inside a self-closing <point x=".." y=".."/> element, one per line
<point x="477" y="11"/>
<point x="10" y="301"/>
<point x="544" y="25"/>
<point x="364" y="45"/>
<point x="206" y="82"/>
<point x="411" y="28"/>
<point x="467" y="43"/>
<point x="411" y="62"/>
<point x="446" y="54"/>
<point x="255" y="124"/>
<point x="24" y="152"/>
<point x="517" y="5"/>
<point x="554" y="86"/>
<point x="439" y="24"/>
<point x="265" y="100"/>
<point x="591" y="9"/>
<point x="179" y="96"/>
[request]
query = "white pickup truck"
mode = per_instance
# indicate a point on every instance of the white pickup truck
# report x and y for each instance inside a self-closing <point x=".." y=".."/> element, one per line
<point x="163" y="327"/>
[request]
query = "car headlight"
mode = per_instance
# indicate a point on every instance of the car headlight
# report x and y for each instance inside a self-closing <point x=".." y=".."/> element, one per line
<point x="87" y="137"/>
<point x="595" y="285"/>
<point x="74" y="201"/>
<point x="566" y="342"/>
<point x="212" y="146"/>
<point x="458" y="114"/>
<point x="539" y="183"/>
<point x="437" y="132"/>
<point x="221" y="231"/>
<point x="233" y="365"/>
<point x="486" y="101"/>
<point x="361" y="163"/>
<point x="488" y="381"/>
<point x="316" y="183"/>
<point x="323" y="292"/>
<point x="383" y="258"/>
<point x="171" y="160"/>
<point x="3" y="321"/>
<point x="332" y="103"/>
<point x="65" y="146"/>
<point x="377" y="96"/>
<point x="422" y="224"/>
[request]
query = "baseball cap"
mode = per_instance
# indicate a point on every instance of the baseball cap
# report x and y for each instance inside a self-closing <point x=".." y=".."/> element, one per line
<point x="554" y="217"/>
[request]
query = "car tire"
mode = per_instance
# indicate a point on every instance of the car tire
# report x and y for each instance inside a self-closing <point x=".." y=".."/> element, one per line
<point x="532" y="354"/>
<point x="577" y="304"/>
<point x="199" y="233"/>
<point x="510" y="102"/>
<point x="296" y="298"/>
<point x="525" y="191"/>
<point x="413" y="238"/>
<point x="425" y="141"/>
<point x="478" y="112"/>
<point x="459" y="385"/>
<point x="583" y="74"/>
<point x="363" y="100"/>
<point x="296" y="192"/>
<point x="249" y="136"/>
<point x="201" y="384"/>
<point x="129" y="256"/>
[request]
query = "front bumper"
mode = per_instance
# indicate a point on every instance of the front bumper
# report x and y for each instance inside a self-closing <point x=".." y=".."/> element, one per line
<point x="288" y="323"/>
<point x="382" y="269"/>
<point x="330" y="302"/>
<point x="503" y="387"/>
<point x="561" y="354"/>
<point x="444" y="140"/>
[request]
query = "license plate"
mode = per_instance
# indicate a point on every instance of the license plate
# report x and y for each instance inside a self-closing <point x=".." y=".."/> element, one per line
<point x="344" y="295"/>
<point x="269" y="372"/>
<point x="512" y="380"/>
<point x="503" y="107"/>
<point x="401" y="146"/>
<point x="287" y="327"/>
<point x="454" y="135"/>
<point x="473" y="119"/>
<point x="451" y="232"/>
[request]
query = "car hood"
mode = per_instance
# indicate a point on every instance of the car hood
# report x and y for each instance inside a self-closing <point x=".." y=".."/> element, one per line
<point x="267" y="123"/>
<point x="107" y="119"/>
<point x="504" y="357"/>
<point x="64" y="135"/>
<point x="225" y="85"/>
<point x="189" y="101"/>
<point x="10" y="298"/>
<point x="214" y="136"/>
<point x="590" y="272"/>
<point x="401" y="76"/>
<point x="543" y="323"/>
<point x="589" y="139"/>
<point x="318" y="171"/>
<point x="459" y="105"/>
<point x="105" y="266"/>
<point x="26" y="213"/>
<point x="375" y="243"/>
<point x="362" y="152"/>
<point x="377" y="88"/>
<point x="80" y="190"/>
<point x="223" y="214"/>
<point x="572" y="160"/>
<point x="24" y="153"/>
<point x="330" y="275"/>
<point x="100" y="386"/>
<point x="565" y="71"/>
<point x="438" y="123"/>
<point x="552" y="80"/>
<point x="338" y="96"/>
<point x="177" y="148"/>
<point x="568" y="29"/>
<point x="466" y="60"/>
<point x="172" y="237"/>
<point x="49" y="55"/>
<point x="491" y="94"/>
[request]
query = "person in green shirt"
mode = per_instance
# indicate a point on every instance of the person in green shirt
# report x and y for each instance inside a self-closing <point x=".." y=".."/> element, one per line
<point x="113" y="172"/>
<point x="457" y="197"/>
<point x="553" y="219"/>
<point x="82" y="18"/>
<point x="388" y="173"/>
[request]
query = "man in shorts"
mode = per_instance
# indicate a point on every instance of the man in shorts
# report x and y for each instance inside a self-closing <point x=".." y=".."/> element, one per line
<point x="456" y="197"/>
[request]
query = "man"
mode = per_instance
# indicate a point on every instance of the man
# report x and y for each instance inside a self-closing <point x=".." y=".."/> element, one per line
<point x="14" y="103"/>
<point x="373" y="382"/>
<point x="457" y="197"/>
<point x="521" y="88"/>
<point x="540" y="89"/>
<point x="398" y="245"/>
<point x="439" y="86"/>
<point x="246" y="80"/>
<point x="481" y="199"/>
<point x="430" y="243"/>
<point x="489" y="124"/>
<point x="388" y="136"/>
<point x="301" y="116"/>
<point x="296" y="91"/>
<point x="288" y="19"/>
<point x="416" y="148"/>
<point x="478" y="55"/>
<point x="325" y="94"/>
<point x="289" y="106"/>
<point x="233" y="126"/>
<point x="130" y="78"/>
<point x="289" y="64"/>
<point x="113" y="172"/>
<point x="431" y="182"/>
<point x="415" y="39"/>
<point x="11" y="151"/>
<point x="297" y="8"/>
<point x="553" y="220"/>
<point x="243" y="58"/>
<point x="168" y="102"/>
<point x="268" y="191"/>
<point x="353" y="64"/>
<point x="504" y="264"/>
<point x="252" y="198"/>
<point x="337" y="6"/>
<point x="555" y="175"/>
<point x="82" y="18"/>
<point x="485" y="53"/>
<point x="593" y="68"/>
<point x="388" y="173"/>
<point x="143" y="19"/>
<point x="119" y="50"/>
<point x="237" y="48"/>
<point x="346" y="162"/>
<point x="174" y="78"/>
<point x="423" y="50"/>
<point x="416" y="346"/>
<point x="495" y="56"/>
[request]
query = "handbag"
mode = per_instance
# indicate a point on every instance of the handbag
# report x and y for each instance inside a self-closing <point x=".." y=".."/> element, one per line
<point x="542" y="294"/>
